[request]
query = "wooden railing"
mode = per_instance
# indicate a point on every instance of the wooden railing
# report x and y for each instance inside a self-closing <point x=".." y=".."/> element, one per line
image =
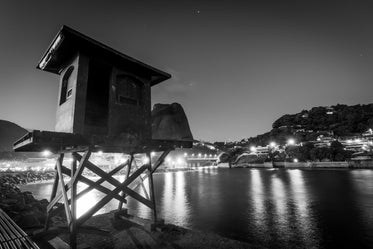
<point x="12" y="236"/>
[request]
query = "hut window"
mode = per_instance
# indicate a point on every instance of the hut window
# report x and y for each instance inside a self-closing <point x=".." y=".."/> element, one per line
<point x="128" y="90"/>
<point x="66" y="86"/>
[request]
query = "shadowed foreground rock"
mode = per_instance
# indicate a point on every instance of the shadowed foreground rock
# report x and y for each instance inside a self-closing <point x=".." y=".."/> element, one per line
<point x="22" y="207"/>
<point x="125" y="234"/>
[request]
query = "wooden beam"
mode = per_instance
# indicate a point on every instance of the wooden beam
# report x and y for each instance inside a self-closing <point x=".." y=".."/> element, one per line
<point x="151" y="190"/>
<point x="92" y="185"/>
<point x="96" y="185"/>
<point x="53" y="195"/>
<point x="62" y="185"/>
<point x="107" y="198"/>
<point x="120" y="204"/>
<point x="159" y="161"/>
<point x="72" y="225"/>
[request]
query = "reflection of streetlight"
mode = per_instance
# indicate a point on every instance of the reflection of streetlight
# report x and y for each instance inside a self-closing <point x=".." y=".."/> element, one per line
<point x="291" y="141"/>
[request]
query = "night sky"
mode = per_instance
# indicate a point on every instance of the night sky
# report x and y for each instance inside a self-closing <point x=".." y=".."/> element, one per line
<point x="236" y="66"/>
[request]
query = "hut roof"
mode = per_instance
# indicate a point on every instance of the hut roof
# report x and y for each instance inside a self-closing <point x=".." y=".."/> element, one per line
<point x="68" y="42"/>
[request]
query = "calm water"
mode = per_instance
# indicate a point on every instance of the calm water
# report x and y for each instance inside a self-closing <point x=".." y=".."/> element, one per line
<point x="276" y="208"/>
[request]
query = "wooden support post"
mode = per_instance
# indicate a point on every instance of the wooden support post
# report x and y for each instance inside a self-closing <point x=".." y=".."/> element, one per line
<point x="120" y="205"/>
<point x="151" y="190"/>
<point x="63" y="189"/>
<point x="53" y="195"/>
<point x="72" y="225"/>
<point x="114" y="192"/>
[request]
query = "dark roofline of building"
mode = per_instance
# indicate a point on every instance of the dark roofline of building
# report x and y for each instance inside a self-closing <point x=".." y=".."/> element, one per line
<point x="65" y="30"/>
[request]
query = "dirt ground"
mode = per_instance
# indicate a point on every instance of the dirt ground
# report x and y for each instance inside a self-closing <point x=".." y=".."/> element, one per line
<point x="126" y="234"/>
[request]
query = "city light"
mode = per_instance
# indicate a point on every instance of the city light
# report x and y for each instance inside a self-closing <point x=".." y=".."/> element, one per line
<point x="272" y="144"/>
<point x="185" y="154"/>
<point x="199" y="154"/>
<point x="253" y="149"/>
<point x="179" y="160"/>
<point x="291" y="141"/>
<point x="46" y="153"/>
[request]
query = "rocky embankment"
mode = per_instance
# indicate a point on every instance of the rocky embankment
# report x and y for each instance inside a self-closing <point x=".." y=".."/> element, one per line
<point x="22" y="207"/>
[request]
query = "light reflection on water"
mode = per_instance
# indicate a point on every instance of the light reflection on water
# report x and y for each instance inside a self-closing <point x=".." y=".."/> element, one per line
<point x="275" y="208"/>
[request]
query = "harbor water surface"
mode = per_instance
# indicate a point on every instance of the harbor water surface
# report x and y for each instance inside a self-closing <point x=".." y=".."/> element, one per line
<point x="275" y="208"/>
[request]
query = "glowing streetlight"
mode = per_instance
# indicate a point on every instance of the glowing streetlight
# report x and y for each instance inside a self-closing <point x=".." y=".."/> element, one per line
<point x="272" y="144"/>
<point x="100" y="152"/>
<point x="185" y="154"/>
<point x="253" y="149"/>
<point x="295" y="160"/>
<point x="179" y="160"/>
<point x="199" y="154"/>
<point x="152" y="153"/>
<point x="46" y="153"/>
<point x="291" y="141"/>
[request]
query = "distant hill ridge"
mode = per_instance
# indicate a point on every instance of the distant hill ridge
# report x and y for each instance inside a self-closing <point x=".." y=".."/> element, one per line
<point x="342" y="120"/>
<point x="338" y="120"/>
<point x="9" y="133"/>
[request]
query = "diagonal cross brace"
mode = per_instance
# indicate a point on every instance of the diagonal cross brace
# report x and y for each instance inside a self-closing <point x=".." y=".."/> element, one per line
<point x="117" y="183"/>
<point x="106" y="199"/>
<point x="92" y="185"/>
<point x="62" y="185"/>
<point x="69" y="184"/>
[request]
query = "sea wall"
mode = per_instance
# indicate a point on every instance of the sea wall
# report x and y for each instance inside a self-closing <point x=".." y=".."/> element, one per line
<point x="344" y="164"/>
<point x="314" y="165"/>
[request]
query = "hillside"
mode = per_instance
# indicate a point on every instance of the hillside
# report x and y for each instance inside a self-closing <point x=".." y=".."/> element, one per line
<point x="338" y="121"/>
<point x="9" y="133"/>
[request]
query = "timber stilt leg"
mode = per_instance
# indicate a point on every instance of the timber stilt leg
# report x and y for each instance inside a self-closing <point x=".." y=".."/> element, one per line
<point x="151" y="190"/>
<point x="120" y="205"/>
<point x="72" y="227"/>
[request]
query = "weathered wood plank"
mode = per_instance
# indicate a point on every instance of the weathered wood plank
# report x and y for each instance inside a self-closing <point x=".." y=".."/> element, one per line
<point x="62" y="185"/>
<point x="107" y="198"/>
